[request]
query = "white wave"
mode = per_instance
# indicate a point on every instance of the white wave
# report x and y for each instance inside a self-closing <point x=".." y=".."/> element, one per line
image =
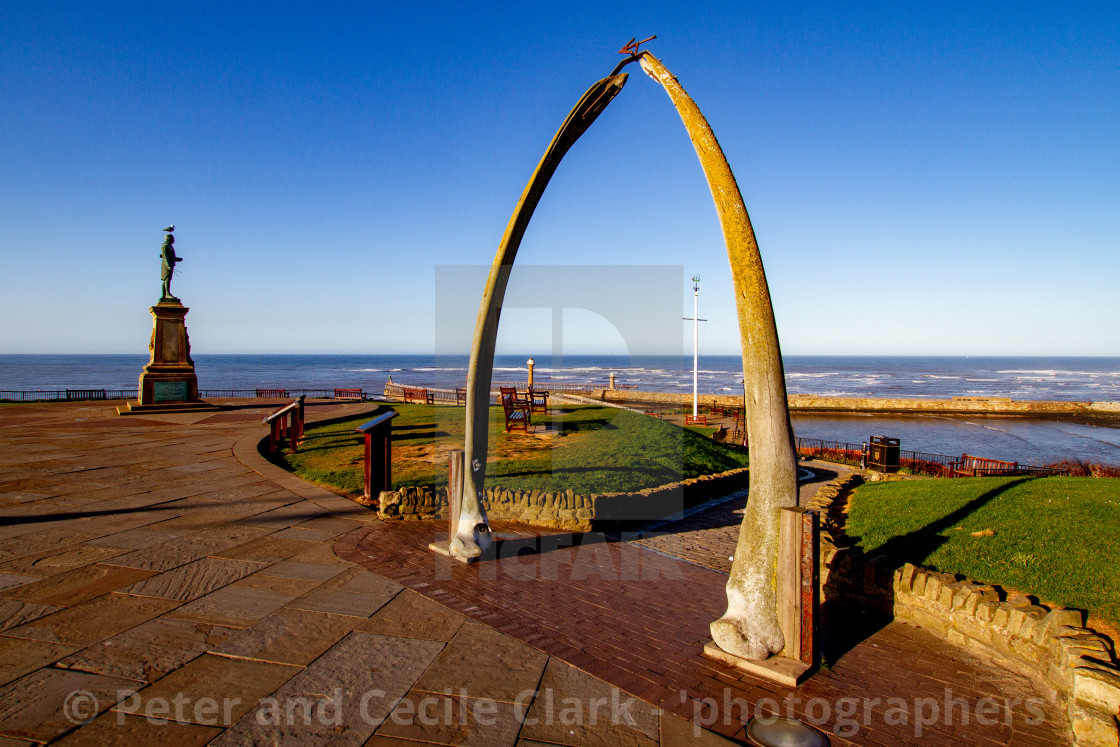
<point x="936" y="376"/>
<point x="1060" y="372"/>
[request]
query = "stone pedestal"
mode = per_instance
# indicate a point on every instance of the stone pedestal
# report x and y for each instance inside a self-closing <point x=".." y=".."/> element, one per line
<point x="168" y="383"/>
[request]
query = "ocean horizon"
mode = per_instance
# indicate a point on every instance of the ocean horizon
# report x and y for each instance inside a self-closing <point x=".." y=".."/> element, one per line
<point x="1035" y="440"/>
<point x="1073" y="378"/>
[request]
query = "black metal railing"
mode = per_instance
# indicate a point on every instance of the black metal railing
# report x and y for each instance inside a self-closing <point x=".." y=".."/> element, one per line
<point x="73" y="395"/>
<point x="916" y="462"/>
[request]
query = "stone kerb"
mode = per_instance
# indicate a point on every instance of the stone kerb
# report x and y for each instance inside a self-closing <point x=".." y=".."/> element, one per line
<point x="1048" y="645"/>
<point x="566" y="510"/>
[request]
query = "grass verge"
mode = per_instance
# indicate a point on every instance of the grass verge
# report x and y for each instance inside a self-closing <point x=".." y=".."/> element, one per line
<point x="591" y="450"/>
<point x="1054" y="537"/>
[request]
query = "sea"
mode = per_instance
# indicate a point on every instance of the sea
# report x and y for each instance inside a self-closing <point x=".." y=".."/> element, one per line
<point x="1033" y="441"/>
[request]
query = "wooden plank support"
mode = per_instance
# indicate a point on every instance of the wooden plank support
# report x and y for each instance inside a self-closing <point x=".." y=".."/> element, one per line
<point x="799" y="582"/>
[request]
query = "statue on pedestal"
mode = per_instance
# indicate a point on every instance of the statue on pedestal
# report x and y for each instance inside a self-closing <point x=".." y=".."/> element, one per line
<point x="167" y="267"/>
<point x="168" y="383"/>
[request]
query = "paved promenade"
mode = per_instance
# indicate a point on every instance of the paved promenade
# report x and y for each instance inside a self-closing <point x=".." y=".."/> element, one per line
<point x="161" y="583"/>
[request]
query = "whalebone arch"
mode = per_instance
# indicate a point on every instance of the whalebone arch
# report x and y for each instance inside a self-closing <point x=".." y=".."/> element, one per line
<point x="750" y="626"/>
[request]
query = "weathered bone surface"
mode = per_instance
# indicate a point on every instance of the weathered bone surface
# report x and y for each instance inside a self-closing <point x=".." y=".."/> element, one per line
<point x="471" y="536"/>
<point x="750" y="627"/>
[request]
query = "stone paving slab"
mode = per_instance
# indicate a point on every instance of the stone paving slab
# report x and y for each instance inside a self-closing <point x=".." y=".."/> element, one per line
<point x="289" y="636"/>
<point x="149" y="651"/>
<point x="50" y="562"/>
<point x="11" y="581"/>
<point x="266" y="549"/>
<point x="340" y="603"/>
<point x="360" y="679"/>
<point x="213" y="690"/>
<point x="444" y="719"/>
<point x="14" y="613"/>
<point x="194" y="579"/>
<point x="578" y="709"/>
<point x="241" y="604"/>
<point x="181" y="551"/>
<point x="303" y="570"/>
<point x="413" y="615"/>
<point x="115" y="728"/>
<point x="140" y="538"/>
<point x="95" y="620"/>
<point x="37" y="708"/>
<point x="19" y="656"/>
<point x="512" y="667"/>
<point x="79" y="585"/>
<point x="18" y="547"/>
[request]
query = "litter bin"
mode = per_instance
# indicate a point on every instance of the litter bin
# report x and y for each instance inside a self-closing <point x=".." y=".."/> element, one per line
<point x="883" y="454"/>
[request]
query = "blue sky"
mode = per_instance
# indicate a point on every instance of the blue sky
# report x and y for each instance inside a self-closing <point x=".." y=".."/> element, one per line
<point x="923" y="178"/>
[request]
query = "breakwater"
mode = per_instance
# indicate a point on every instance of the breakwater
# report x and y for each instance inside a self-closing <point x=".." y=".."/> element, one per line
<point x="809" y="404"/>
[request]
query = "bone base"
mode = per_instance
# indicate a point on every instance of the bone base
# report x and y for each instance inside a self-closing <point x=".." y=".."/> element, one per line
<point x="780" y="669"/>
<point x="443" y="547"/>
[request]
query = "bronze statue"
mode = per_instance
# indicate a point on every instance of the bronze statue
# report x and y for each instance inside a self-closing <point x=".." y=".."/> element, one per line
<point x="167" y="268"/>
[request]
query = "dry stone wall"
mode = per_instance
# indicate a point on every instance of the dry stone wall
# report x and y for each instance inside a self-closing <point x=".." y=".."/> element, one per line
<point x="567" y="510"/>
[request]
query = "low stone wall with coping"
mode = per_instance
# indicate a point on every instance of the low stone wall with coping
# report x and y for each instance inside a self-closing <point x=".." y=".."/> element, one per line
<point x="1050" y="646"/>
<point x="567" y="510"/>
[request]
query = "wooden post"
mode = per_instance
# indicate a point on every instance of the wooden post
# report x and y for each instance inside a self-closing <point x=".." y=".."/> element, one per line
<point x="299" y="420"/>
<point x="454" y="489"/>
<point x="387" y="457"/>
<point x="367" y="483"/>
<point x="799" y="582"/>
<point x="375" y="461"/>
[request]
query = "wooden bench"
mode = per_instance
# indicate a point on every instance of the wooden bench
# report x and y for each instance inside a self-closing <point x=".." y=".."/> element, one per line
<point x="974" y="466"/>
<point x="538" y="400"/>
<point x="349" y="394"/>
<point x="272" y="392"/>
<point x="461" y="397"/>
<point x="695" y="419"/>
<point x="417" y="396"/>
<point x="518" y="412"/>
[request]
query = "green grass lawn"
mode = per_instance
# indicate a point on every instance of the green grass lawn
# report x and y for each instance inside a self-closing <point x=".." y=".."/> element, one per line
<point x="1055" y="537"/>
<point x="595" y="450"/>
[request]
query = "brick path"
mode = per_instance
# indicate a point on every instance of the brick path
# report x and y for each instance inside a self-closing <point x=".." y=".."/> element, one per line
<point x="161" y="583"/>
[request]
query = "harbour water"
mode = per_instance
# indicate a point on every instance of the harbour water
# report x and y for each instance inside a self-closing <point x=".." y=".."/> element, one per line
<point x="1036" y="378"/>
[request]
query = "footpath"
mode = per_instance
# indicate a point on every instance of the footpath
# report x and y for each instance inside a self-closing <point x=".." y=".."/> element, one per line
<point x="162" y="583"/>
